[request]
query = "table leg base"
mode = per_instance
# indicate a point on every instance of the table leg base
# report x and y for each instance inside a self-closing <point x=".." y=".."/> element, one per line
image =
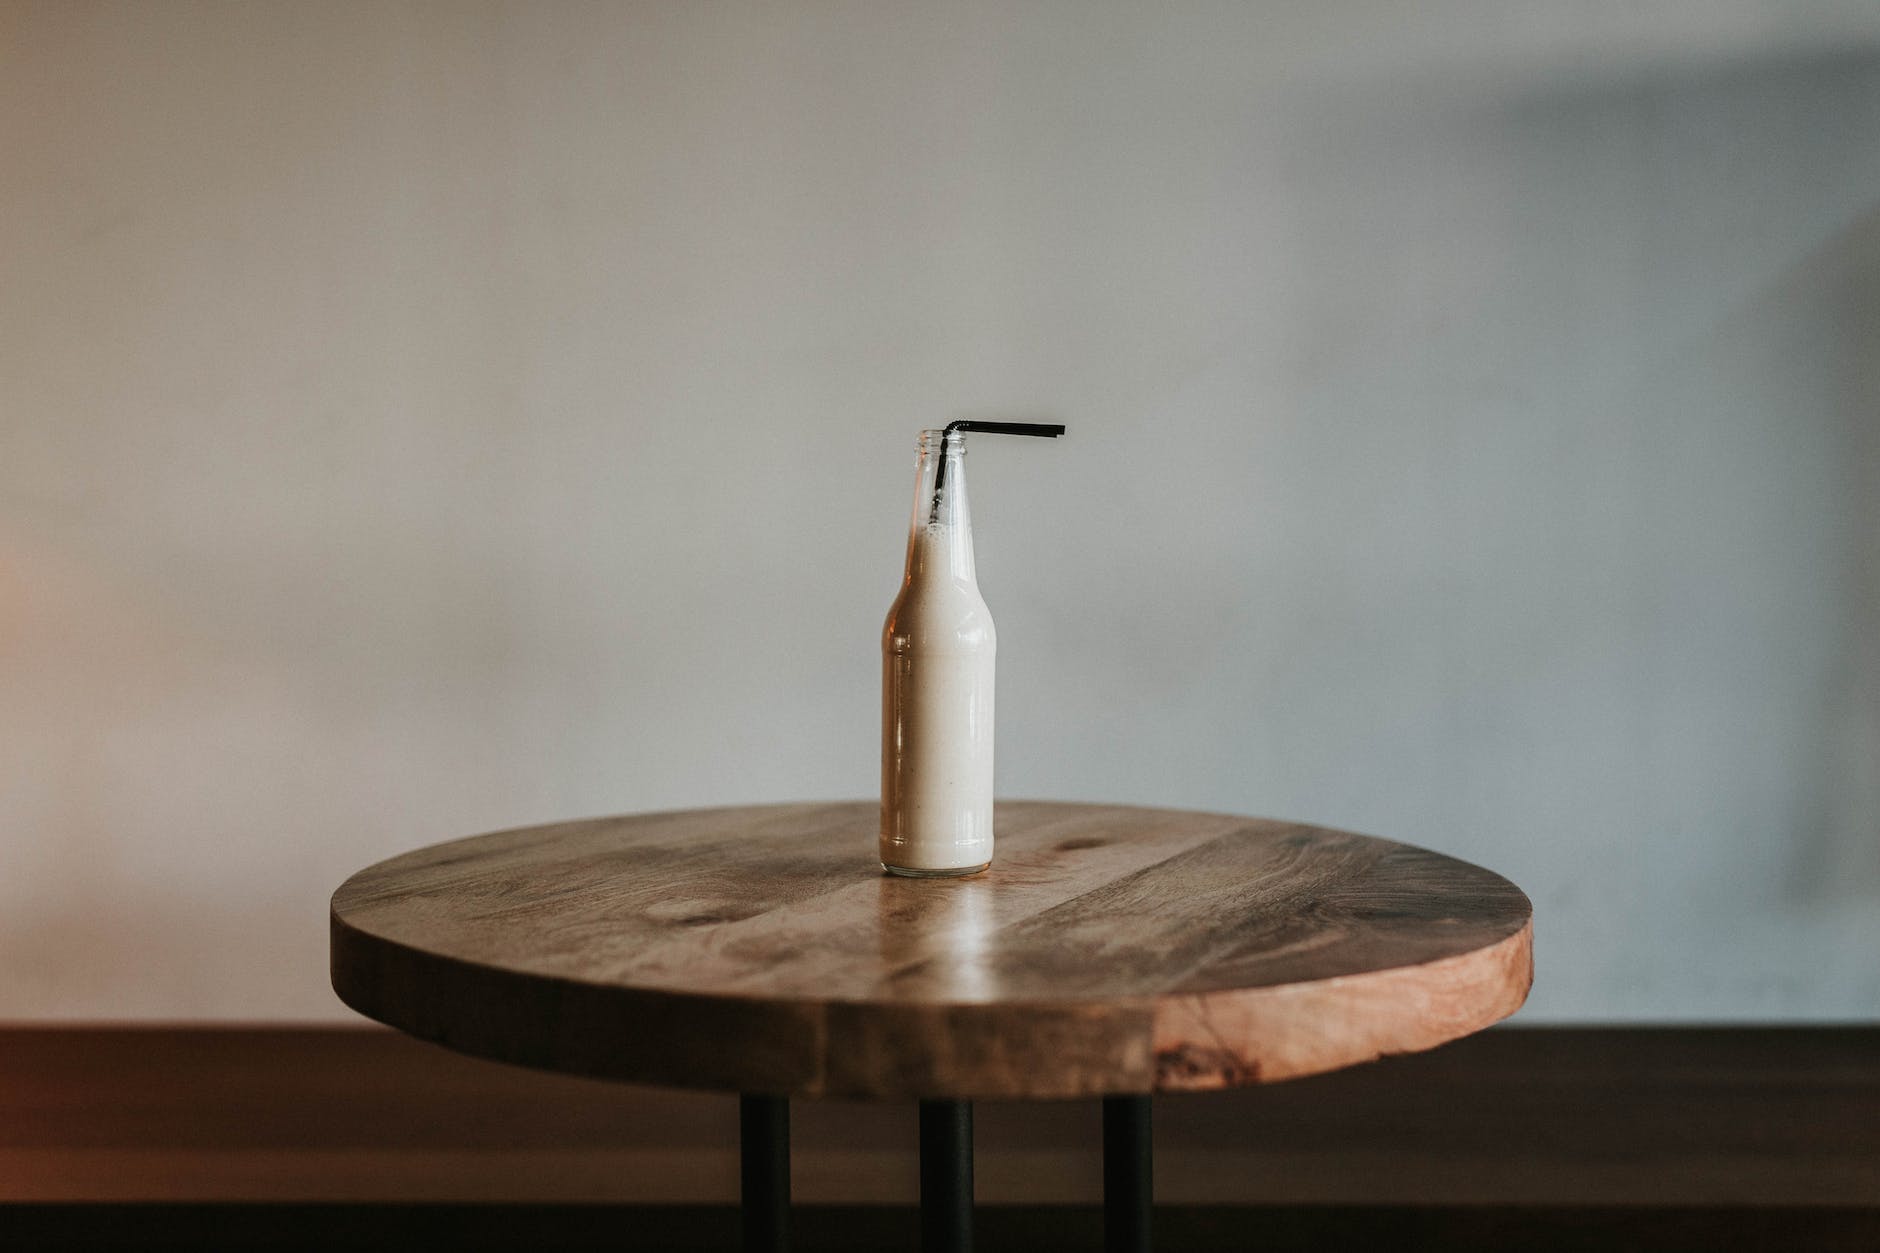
<point x="1128" y="1173"/>
<point x="946" y="1176"/>
<point x="764" y="1172"/>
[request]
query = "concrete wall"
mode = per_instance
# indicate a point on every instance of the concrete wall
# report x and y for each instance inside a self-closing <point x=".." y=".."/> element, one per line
<point x="416" y="420"/>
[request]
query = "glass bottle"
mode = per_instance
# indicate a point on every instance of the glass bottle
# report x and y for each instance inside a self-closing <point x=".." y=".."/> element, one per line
<point x="937" y="653"/>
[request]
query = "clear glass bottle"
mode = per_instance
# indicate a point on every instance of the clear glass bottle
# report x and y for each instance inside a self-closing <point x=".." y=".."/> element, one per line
<point x="937" y="654"/>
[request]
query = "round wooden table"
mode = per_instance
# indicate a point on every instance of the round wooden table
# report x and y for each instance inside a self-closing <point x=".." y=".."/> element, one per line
<point x="1109" y="952"/>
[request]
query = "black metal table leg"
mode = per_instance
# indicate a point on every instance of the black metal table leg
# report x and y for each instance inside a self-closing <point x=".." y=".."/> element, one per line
<point x="946" y="1176"/>
<point x="764" y="1166"/>
<point x="1128" y="1174"/>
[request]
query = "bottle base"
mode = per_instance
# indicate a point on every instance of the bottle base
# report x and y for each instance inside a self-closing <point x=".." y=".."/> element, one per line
<point x="908" y="872"/>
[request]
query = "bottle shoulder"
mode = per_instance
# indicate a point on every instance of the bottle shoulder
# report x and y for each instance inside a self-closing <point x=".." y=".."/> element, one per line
<point x="939" y="614"/>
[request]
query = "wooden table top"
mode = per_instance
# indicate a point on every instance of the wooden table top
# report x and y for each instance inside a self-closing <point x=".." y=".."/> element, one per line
<point x="1108" y="950"/>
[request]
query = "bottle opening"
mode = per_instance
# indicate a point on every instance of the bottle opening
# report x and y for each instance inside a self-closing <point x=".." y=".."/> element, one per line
<point x="953" y="441"/>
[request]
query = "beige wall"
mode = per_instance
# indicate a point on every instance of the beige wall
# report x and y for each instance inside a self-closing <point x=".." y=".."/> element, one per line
<point x="421" y="419"/>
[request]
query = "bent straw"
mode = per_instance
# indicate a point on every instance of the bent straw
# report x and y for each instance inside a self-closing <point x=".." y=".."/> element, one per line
<point x="1049" y="430"/>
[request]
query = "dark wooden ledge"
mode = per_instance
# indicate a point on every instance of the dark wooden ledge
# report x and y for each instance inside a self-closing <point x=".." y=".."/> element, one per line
<point x="1535" y="1117"/>
<point x="291" y="1228"/>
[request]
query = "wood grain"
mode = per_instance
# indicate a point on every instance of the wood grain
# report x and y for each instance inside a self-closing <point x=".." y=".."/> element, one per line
<point x="1109" y="949"/>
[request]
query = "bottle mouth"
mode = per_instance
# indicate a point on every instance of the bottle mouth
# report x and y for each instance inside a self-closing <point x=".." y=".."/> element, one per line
<point x="936" y="437"/>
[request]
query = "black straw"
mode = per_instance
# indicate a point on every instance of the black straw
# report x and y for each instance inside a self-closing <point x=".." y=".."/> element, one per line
<point x="1050" y="430"/>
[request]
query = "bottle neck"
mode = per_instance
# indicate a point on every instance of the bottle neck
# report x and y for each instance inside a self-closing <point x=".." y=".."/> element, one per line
<point x="940" y="539"/>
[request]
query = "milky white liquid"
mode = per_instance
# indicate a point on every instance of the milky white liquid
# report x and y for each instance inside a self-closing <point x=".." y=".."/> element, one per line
<point x="937" y="654"/>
